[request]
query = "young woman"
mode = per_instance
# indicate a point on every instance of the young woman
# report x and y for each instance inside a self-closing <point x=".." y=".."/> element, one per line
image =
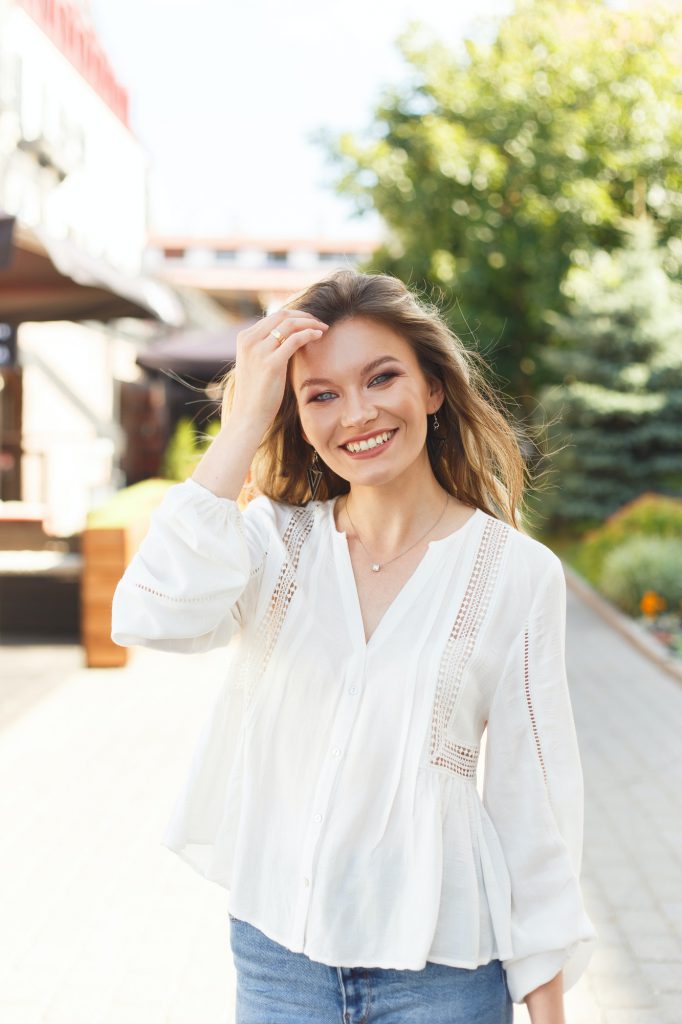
<point x="382" y="610"/>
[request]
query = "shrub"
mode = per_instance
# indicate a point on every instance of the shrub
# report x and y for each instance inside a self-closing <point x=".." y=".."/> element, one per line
<point x="649" y="515"/>
<point x="640" y="566"/>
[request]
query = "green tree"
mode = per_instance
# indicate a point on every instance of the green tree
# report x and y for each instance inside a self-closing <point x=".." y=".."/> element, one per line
<point x="496" y="168"/>
<point x="617" y="409"/>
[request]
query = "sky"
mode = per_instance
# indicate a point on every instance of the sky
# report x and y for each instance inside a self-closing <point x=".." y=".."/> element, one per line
<point x="225" y="96"/>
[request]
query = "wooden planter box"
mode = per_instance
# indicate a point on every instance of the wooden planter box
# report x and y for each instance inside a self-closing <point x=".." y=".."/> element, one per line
<point x="107" y="548"/>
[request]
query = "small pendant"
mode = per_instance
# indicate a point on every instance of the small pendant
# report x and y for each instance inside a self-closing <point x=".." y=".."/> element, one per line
<point x="376" y="567"/>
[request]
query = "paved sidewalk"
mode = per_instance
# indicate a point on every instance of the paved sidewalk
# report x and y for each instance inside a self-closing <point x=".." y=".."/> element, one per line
<point x="100" y="924"/>
<point x="629" y="719"/>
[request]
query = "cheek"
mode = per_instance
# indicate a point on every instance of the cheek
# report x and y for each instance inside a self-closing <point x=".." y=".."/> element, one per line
<point x="307" y="422"/>
<point x="318" y="423"/>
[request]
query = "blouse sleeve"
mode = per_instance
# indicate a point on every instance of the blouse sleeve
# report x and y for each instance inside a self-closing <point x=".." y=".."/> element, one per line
<point x="194" y="580"/>
<point x="533" y="793"/>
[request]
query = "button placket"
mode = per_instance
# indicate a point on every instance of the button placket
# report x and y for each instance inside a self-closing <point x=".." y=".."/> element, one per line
<point x="342" y="728"/>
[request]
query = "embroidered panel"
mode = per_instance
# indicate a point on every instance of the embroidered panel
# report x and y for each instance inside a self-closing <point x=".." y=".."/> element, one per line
<point x="185" y="599"/>
<point x="459" y="648"/>
<point x="169" y="597"/>
<point x="269" y="628"/>
<point x="458" y="759"/>
<point x="529" y="702"/>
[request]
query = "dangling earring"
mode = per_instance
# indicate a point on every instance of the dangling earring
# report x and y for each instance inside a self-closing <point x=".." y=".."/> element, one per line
<point x="436" y="444"/>
<point x="314" y="474"/>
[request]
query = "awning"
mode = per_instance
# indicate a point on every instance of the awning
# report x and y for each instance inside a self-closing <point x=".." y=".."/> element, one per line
<point x="51" y="279"/>
<point x="203" y="354"/>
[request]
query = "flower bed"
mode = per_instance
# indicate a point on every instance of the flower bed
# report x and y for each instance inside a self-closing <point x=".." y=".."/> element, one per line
<point x="664" y="625"/>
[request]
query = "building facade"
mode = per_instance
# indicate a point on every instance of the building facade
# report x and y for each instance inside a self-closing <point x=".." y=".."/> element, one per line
<point x="72" y="172"/>
<point x="69" y="163"/>
<point x="248" y="275"/>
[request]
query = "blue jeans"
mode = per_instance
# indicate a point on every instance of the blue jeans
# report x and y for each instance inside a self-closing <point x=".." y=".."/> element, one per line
<point x="277" y="986"/>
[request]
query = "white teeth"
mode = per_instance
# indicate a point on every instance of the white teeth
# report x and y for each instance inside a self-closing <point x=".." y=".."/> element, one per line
<point x="372" y="442"/>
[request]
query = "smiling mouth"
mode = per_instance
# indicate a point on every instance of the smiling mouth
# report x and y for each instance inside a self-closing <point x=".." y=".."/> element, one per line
<point x="360" y="448"/>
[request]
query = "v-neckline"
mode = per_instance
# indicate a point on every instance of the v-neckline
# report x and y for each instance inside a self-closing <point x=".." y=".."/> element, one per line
<point x="349" y="589"/>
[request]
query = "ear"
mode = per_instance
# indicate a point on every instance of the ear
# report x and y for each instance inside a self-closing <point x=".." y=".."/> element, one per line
<point x="436" y="395"/>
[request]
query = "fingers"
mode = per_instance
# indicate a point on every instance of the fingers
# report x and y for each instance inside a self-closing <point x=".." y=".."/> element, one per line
<point x="293" y="342"/>
<point x="296" y="325"/>
<point x="262" y="360"/>
<point x="286" y="321"/>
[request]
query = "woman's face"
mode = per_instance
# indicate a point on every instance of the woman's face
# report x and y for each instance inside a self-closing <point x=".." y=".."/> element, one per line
<point x="340" y="396"/>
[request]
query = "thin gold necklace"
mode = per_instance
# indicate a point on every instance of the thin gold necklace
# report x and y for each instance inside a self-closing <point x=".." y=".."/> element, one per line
<point x="376" y="566"/>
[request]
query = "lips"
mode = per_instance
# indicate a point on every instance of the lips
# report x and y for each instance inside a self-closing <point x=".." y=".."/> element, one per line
<point x="375" y="450"/>
<point x="367" y="437"/>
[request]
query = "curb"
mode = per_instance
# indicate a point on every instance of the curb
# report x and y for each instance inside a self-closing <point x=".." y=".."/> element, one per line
<point x="632" y="631"/>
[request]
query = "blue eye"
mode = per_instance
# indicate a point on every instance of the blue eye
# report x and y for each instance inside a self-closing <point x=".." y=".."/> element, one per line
<point x="322" y="393"/>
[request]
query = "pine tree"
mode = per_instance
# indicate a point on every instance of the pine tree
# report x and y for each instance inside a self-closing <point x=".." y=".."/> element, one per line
<point x="617" y="406"/>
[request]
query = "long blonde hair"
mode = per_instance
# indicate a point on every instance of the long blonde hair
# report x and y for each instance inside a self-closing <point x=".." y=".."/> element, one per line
<point x="481" y="462"/>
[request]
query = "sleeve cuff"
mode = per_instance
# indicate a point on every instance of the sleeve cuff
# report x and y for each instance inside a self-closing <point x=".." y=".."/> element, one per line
<point x="526" y="974"/>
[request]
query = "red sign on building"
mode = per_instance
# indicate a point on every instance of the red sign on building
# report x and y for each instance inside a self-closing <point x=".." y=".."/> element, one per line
<point x="78" y="42"/>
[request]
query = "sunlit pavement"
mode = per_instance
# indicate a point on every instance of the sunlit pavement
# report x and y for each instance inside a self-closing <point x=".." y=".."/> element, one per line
<point x="100" y="923"/>
<point x="629" y="719"/>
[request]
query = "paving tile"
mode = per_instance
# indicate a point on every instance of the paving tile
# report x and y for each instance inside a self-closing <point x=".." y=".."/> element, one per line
<point x="645" y="922"/>
<point x="664" y="976"/>
<point x="629" y="993"/>
<point x="656" y="947"/>
<point x="620" y="1016"/>
<point x="669" y="1008"/>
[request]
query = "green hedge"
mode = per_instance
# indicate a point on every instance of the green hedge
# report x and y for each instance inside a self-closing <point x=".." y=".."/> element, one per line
<point x="649" y="515"/>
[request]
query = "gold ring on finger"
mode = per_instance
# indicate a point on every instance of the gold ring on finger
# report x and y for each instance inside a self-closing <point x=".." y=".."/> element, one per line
<point x="277" y="334"/>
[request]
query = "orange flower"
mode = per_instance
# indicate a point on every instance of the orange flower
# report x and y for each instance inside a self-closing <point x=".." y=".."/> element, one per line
<point x="652" y="603"/>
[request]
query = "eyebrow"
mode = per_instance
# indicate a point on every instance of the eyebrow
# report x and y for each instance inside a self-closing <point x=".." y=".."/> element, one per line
<point x="310" y="381"/>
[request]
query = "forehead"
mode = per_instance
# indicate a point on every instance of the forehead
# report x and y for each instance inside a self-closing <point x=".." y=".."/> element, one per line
<point x="346" y="347"/>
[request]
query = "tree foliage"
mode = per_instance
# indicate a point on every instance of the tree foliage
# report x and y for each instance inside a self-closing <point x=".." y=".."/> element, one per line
<point x="619" y="401"/>
<point x="498" y="168"/>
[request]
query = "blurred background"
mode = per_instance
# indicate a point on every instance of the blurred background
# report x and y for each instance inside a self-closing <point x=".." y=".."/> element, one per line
<point x="171" y="170"/>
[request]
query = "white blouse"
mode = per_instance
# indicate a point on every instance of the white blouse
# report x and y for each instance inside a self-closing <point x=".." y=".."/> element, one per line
<point x="334" y="788"/>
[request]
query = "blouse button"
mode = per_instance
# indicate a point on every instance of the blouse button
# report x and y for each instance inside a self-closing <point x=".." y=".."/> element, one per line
<point x="336" y="751"/>
<point x="353" y="689"/>
<point x="317" y="817"/>
<point x="306" y="881"/>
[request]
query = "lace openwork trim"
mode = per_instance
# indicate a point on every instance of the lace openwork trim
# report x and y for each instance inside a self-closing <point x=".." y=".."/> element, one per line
<point x="190" y="599"/>
<point x="296" y="533"/>
<point x="529" y="702"/>
<point x="461" y="642"/>
<point x="458" y="759"/>
<point x="169" y="597"/>
<point x="258" y="568"/>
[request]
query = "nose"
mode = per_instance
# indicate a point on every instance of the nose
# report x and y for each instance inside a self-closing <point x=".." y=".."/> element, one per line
<point x="357" y="411"/>
<point x="357" y="417"/>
